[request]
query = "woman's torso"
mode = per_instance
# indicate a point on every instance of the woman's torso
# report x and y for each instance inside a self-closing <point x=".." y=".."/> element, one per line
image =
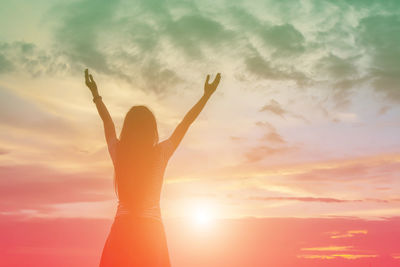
<point x="149" y="189"/>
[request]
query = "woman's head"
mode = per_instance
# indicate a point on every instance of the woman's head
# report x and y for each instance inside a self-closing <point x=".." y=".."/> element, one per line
<point x="139" y="128"/>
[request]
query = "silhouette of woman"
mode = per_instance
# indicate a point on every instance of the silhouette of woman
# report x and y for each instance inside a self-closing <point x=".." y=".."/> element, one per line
<point x="137" y="236"/>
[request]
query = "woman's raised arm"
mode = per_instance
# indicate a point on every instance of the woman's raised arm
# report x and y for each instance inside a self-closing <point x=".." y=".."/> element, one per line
<point x="109" y="128"/>
<point x="183" y="126"/>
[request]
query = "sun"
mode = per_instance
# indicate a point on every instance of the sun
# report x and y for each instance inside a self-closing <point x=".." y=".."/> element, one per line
<point x="202" y="215"/>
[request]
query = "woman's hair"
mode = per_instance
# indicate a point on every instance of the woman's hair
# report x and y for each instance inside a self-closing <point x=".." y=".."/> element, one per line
<point x="135" y="154"/>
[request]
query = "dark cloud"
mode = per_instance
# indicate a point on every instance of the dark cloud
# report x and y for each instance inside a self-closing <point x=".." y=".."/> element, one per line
<point x="337" y="67"/>
<point x="159" y="79"/>
<point x="285" y="39"/>
<point x="78" y="34"/>
<point x="191" y="33"/>
<point x="262" y="68"/>
<point x="121" y="38"/>
<point x="87" y="29"/>
<point x="5" y="64"/>
<point x="379" y="35"/>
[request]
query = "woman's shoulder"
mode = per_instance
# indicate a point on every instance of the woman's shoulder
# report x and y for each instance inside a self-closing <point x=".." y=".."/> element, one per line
<point x="164" y="143"/>
<point x="165" y="147"/>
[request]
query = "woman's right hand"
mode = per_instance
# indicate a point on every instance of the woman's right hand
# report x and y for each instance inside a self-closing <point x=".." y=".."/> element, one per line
<point x="209" y="88"/>
<point x="90" y="83"/>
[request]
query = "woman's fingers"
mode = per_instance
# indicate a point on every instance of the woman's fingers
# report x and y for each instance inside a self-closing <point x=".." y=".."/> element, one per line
<point x="86" y="76"/>
<point x="89" y="80"/>
<point x="208" y="78"/>
<point x="217" y="79"/>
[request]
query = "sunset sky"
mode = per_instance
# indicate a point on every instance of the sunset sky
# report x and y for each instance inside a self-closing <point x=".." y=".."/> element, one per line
<point x="304" y="127"/>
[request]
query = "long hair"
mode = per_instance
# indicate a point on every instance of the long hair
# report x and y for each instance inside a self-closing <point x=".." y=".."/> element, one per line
<point x="135" y="155"/>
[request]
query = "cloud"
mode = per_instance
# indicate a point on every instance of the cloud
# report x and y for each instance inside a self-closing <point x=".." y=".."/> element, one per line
<point x="159" y="79"/>
<point x="262" y="68"/>
<point x="285" y="39"/>
<point x="4" y="151"/>
<point x="336" y="256"/>
<point x="34" y="187"/>
<point x="303" y="199"/>
<point x="78" y="35"/>
<point x="277" y="109"/>
<point x="26" y="57"/>
<point x="273" y="137"/>
<point x="368" y="170"/>
<point x="191" y="32"/>
<point x="321" y="199"/>
<point x="5" y="64"/>
<point x="261" y="152"/>
<point x="349" y="233"/>
<point x="349" y="41"/>
<point x="272" y="134"/>
<point x="337" y="67"/>
<point x="379" y="36"/>
<point x="330" y="248"/>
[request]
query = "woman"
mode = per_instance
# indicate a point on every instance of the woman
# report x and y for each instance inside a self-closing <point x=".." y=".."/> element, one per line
<point x="137" y="236"/>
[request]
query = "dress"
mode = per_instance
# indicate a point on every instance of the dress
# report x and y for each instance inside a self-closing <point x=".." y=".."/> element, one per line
<point x="139" y="239"/>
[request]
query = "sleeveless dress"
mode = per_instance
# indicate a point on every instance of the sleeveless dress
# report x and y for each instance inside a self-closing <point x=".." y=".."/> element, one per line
<point x="139" y="239"/>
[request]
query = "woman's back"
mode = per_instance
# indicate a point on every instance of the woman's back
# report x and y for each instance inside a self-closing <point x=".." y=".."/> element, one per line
<point x="140" y="195"/>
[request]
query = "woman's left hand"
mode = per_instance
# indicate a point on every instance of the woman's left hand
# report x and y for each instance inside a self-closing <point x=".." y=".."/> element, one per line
<point x="209" y="88"/>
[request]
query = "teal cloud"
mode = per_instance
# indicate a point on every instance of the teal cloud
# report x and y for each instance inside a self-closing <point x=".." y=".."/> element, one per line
<point x="285" y="39"/>
<point x="5" y="64"/>
<point x="28" y="58"/>
<point x="77" y="36"/>
<point x="191" y="33"/>
<point x="344" y="43"/>
<point x="380" y="35"/>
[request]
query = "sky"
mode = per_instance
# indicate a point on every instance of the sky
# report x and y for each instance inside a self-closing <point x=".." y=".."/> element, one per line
<point x="304" y="126"/>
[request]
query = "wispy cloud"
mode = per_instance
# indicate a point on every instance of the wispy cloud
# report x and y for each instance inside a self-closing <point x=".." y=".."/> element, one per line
<point x="349" y="233"/>
<point x="335" y="256"/>
<point x="330" y="248"/>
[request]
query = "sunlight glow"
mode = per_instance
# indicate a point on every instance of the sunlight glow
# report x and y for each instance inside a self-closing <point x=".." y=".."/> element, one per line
<point x="202" y="215"/>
